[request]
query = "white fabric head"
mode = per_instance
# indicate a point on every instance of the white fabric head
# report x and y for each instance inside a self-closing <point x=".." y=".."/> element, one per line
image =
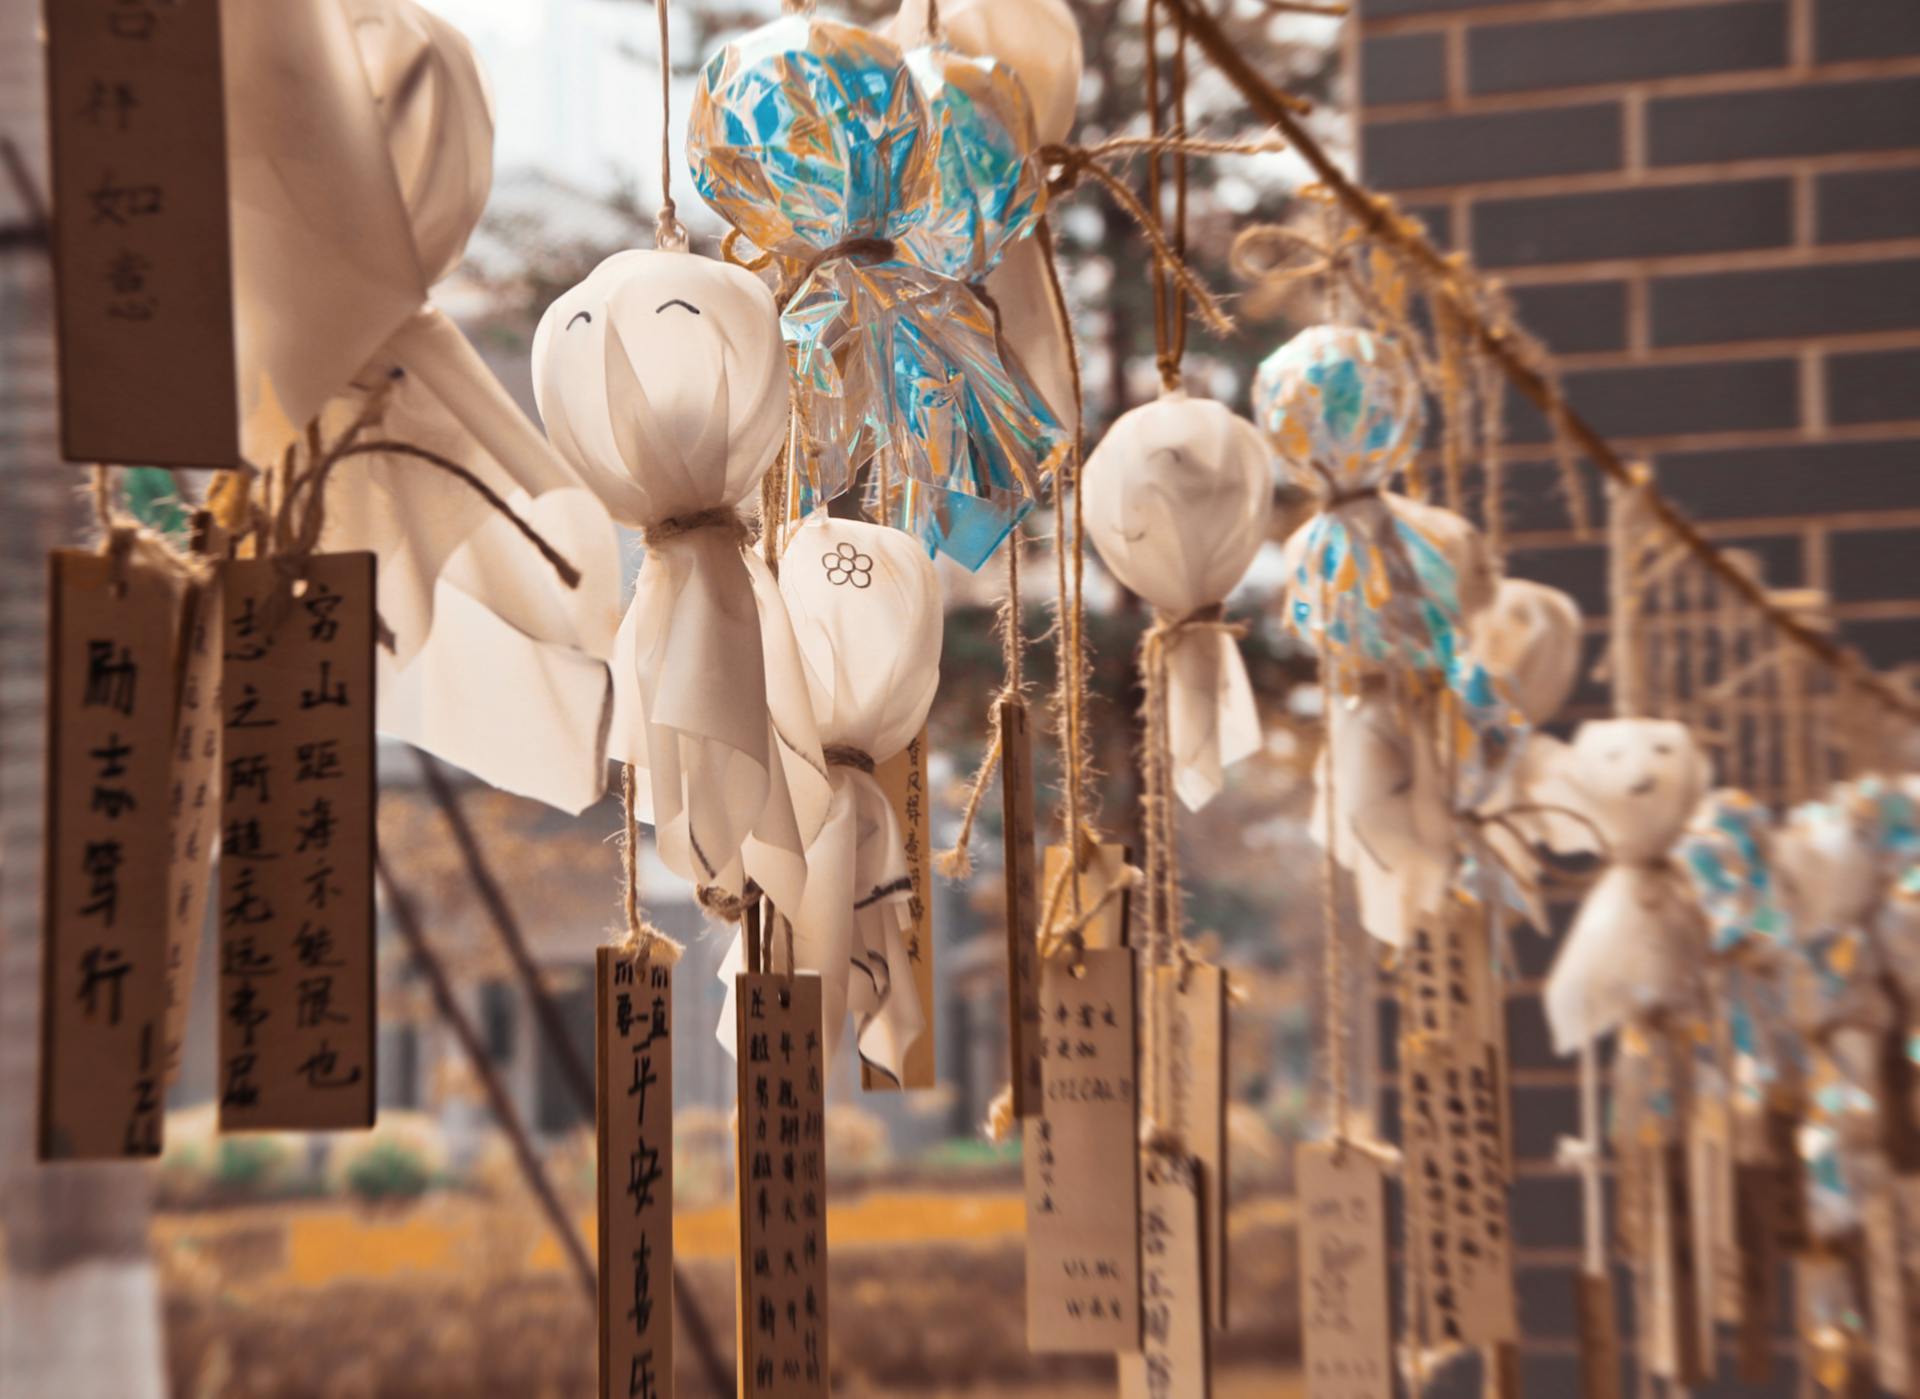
<point x="1639" y="941"/>
<point x="663" y="381"/>
<point x="1178" y="495"/>
<point x="1038" y="39"/>
<point x="1529" y="636"/>
<point x="866" y="608"/>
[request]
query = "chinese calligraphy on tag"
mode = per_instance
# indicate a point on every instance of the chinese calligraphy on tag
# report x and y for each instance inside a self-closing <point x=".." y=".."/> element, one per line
<point x="1344" y="1321"/>
<point x="109" y="711"/>
<point x="634" y="1032"/>
<point x="193" y="805"/>
<point x="781" y="1177"/>
<point x="1175" y="1359"/>
<point x="296" y="846"/>
<point x="141" y="250"/>
<point x="1083" y="1259"/>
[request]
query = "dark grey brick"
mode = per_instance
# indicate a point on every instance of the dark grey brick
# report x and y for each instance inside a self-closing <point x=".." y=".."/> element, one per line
<point x="1501" y="146"/>
<point x="1801" y="479"/>
<point x="1661" y="221"/>
<point x="1666" y="400"/>
<point x="1874" y="565"/>
<point x="1548" y="1306"/>
<point x="1627" y="46"/>
<point x="1860" y="206"/>
<point x="1529" y="1045"/>
<point x="1546" y="1211"/>
<point x="1403" y="68"/>
<point x="1574" y="318"/>
<point x="1541" y="1116"/>
<point x="1780" y="303"/>
<point x="1819" y="119"/>
<point x="1874" y="386"/>
<point x="1844" y="29"/>
<point x="1886" y="642"/>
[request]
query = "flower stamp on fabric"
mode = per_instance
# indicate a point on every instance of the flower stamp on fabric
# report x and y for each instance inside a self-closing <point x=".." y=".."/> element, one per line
<point x="847" y="565"/>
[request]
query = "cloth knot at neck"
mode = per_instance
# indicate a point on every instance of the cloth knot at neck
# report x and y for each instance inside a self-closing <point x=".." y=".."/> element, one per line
<point x="845" y="755"/>
<point x="721" y="517"/>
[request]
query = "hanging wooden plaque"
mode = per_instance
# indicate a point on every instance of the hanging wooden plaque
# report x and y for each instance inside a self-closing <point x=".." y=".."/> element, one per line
<point x="1023" y="909"/>
<point x="296" y="848"/>
<point x="1176" y="1358"/>
<point x="1709" y="1148"/>
<point x="904" y="779"/>
<point x="1105" y="867"/>
<point x="1890" y="1303"/>
<point x="1346" y="1326"/>
<point x="1599" y="1330"/>
<point x="143" y="279"/>
<point x="1192" y="1093"/>
<point x="103" y="982"/>
<point x="633" y="1039"/>
<point x="781" y="1177"/>
<point x="1456" y="1162"/>
<point x="193" y="805"/>
<point x="1082" y="1187"/>
<point x="1756" y="1214"/>
<point x="1673" y="1285"/>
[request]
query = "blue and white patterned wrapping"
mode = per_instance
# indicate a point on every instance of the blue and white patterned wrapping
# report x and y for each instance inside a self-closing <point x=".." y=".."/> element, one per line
<point x="988" y="190"/>
<point x="901" y="367"/>
<point x="1343" y="407"/>
<point x="808" y="135"/>
<point x="808" y="132"/>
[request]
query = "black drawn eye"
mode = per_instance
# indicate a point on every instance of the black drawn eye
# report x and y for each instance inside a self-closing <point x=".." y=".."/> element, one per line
<point x="1663" y="749"/>
<point x="676" y="302"/>
<point x="579" y="316"/>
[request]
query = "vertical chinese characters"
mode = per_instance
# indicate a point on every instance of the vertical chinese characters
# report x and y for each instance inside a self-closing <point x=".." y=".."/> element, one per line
<point x="634" y="1034"/>
<point x="296" y="890"/>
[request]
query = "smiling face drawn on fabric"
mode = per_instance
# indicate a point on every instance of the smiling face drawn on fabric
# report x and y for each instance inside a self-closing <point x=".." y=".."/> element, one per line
<point x="1639" y="781"/>
<point x="662" y="379"/>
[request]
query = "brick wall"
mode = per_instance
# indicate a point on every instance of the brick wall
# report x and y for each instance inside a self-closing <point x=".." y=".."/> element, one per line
<point x="1710" y="211"/>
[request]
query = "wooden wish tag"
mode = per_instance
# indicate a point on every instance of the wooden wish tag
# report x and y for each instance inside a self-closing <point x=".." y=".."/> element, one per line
<point x="1078" y="1159"/>
<point x="781" y="1175"/>
<point x="633" y="1039"/>
<point x="903" y="777"/>
<point x="1192" y="1096"/>
<point x="1345" y="1322"/>
<point x="1673" y="1288"/>
<point x="1710" y="1188"/>
<point x="1176" y="1357"/>
<point x="1891" y="1233"/>
<point x="1456" y="1162"/>
<point x="109" y="719"/>
<point x="141" y="251"/>
<point x="296" y="846"/>
<point x="193" y="805"/>
<point x="1025" y="1032"/>
<point x="1104" y="870"/>
<point x="1758" y="1257"/>
<point x="1599" y="1334"/>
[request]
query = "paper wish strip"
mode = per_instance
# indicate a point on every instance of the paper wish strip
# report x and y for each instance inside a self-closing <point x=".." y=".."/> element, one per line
<point x="781" y="1178"/>
<point x="1176" y="1355"/>
<point x="296" y="850"/>
<point x="1024" y="1031"/>
<point x="1193" y="1096"/>
<point x="142" y="267"/>
<point x="1083" y="1247"/>
<point x="904" y="779"/>
<point x="633" y="1033"/>
<point x="1345" y="1325"/>
<point x="193" y="805"/>
<point x="109" y="715"/>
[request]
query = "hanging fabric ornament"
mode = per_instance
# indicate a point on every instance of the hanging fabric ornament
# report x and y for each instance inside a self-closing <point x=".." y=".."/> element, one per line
<point x="1178" y="496"/>
<point x="815" y="140"/>
<point x="362" y="141"/>
<point x="1638" y="944"/>
<point x="866" y="609"/>
<point x="662" y="380"/>
<point x="1726" y="855"/>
